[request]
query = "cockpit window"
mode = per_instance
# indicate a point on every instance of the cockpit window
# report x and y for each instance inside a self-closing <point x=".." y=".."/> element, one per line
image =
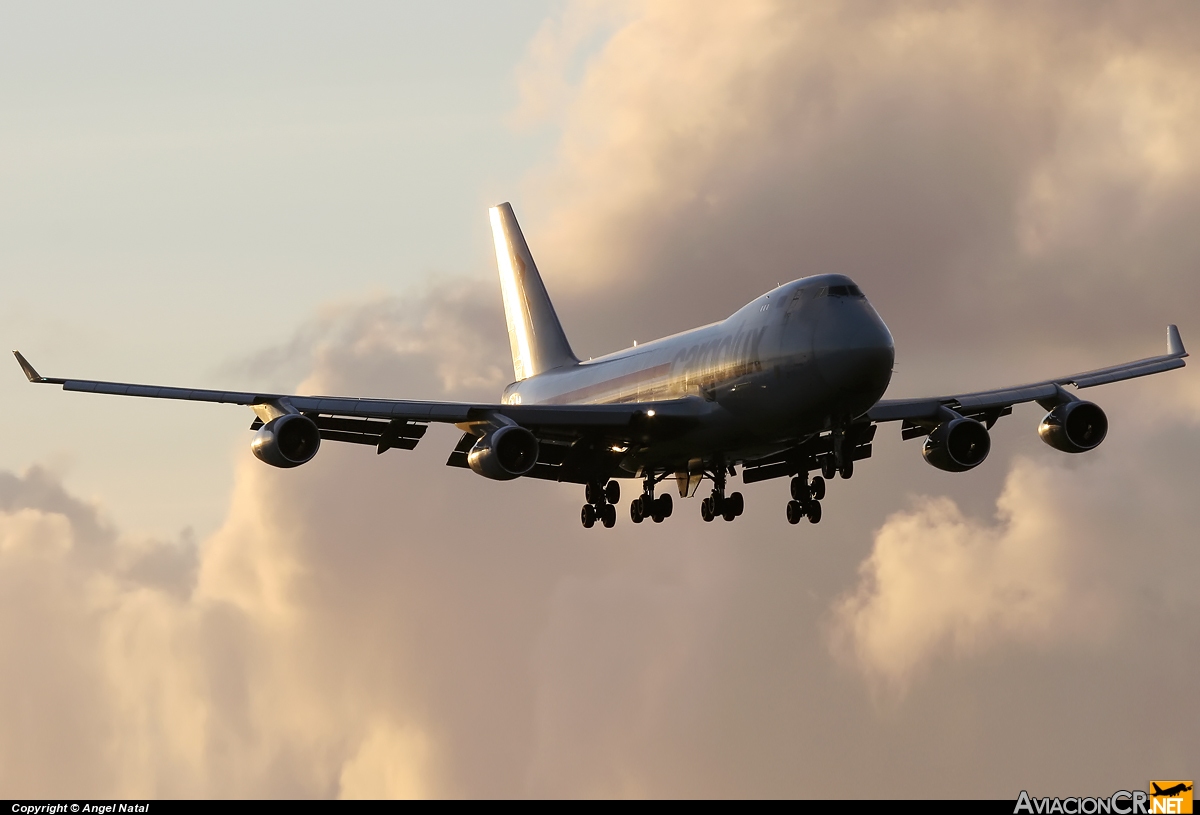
<point x="845" y="291"/>
<point x="838" y="291"/>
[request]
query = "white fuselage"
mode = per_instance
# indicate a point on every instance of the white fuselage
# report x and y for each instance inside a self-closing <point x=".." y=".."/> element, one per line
<point x="806" y="357"/>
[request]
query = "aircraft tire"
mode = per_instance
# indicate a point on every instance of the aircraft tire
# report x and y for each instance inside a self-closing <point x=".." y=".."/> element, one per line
<point x="828" y="467"/>
<point x="795" y="511"/>
<point x="608" y="516"/>
<point x="665" y="505"/>
<point x="612" y="492"/>
<point x="846" y="470"/>
<point x="706" y="511"/>
<point x="588" y="516"/>
<point x="799" y="489"/>
<point x="816" y="488"/>
<point x="735" y="503"/>
<point x="636" y="513"/>
<point x="814" y="512"/>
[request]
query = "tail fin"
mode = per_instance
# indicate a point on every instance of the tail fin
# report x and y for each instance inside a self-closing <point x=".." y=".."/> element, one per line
<point x="1157" y="788"/>
<point x="534" y="332"/>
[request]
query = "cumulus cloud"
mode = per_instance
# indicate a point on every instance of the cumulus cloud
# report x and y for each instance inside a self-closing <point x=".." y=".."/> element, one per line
<point x="383" y="625"/>
<point x="997" y="166"/>
<point x="939" y="580"/>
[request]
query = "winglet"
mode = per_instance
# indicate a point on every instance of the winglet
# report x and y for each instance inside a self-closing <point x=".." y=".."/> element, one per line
<point x="31" y="374"/>
<point x="1174" y="342"/>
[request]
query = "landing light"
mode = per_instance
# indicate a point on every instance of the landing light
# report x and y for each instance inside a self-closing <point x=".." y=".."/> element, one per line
<point x="618" y="449"/>
<point x="650" y="412"/>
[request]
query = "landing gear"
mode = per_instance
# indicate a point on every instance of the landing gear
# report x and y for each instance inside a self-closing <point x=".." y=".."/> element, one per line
<point x="600" y="504"/>
<point x="803" y="491"/>
<point x="720" y="505"/>
<point x="806" y="498"/>
<point x="661" y="508"/>
<point x="647" y="506"/>
<point x="828" y="466"/>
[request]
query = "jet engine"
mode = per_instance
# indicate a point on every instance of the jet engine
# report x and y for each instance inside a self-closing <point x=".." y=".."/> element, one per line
<point x="1074" y="427"/>
<point x="957" y="445"/>
<point x="505" y="453"/>
<point x="287" y="441"/>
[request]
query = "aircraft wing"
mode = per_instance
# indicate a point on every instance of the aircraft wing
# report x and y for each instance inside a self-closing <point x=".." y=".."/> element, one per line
<point x="367" y="421"/>
<point x="988" y="406"/>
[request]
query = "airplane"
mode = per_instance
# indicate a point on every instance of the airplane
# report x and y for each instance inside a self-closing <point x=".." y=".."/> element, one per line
<point x="789" y="385"/>
<point x="1170" y="792"/>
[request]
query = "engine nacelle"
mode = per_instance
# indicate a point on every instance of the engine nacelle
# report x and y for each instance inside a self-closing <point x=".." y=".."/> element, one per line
<point x="505" y="453"/>
<point x="287" y="441"/>
<point x="957" y="445"/>
<point x="1074" y="427"/>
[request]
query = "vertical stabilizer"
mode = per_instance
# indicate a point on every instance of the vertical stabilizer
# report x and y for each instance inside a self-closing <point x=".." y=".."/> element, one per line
<point x="534" y="332"/>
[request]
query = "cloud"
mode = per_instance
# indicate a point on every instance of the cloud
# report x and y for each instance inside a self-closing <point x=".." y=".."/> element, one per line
<point x="939" y="581"/>
<point x="385" y="625"/>
<point x="996" y="165"/>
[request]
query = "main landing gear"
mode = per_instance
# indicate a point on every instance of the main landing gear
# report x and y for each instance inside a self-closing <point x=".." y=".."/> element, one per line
<point x="601" y="505"/>
<point x="647" y="506"/>
<point x="806" y="499"/>
<point x="719" y="505"/>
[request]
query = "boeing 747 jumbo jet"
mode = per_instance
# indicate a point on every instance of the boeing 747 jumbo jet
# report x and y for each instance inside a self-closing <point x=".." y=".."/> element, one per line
<point x="788" y="386"/>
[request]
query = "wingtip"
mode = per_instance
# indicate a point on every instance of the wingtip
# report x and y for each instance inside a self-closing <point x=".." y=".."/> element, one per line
<point x="1175" y="342"/>
<point x="30" y="373"/>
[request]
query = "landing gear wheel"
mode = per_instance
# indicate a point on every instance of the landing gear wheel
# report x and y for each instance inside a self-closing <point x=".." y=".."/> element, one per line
<point x="637" y="512"/>
<point x="846" y="470"/>
<point x="799" y="489"/>
<point x="593" y="494"/>
<point x="816" y="488"/>
<point x="814" y="512"/>
<point x="656" y="513"/>
<point x="828" y="467"/>
<point x="735" y="504"/>
<point x="608" y="516"/>
<point x="588" y="516"/>
<point x="795" y="511"/>
<point x="612" y="492"/>
<point x="665" y="505"/>
<point x="706" y="510"/>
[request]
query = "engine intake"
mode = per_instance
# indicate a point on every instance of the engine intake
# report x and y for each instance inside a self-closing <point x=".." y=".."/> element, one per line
<point x="505" y="453"/>
<point x="1074" y="427"/>
<point x="287" y="441"/>
<point x="957" y="445"/>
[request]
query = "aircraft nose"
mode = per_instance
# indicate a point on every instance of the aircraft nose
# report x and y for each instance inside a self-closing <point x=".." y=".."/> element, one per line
<point x="854" y="350"/>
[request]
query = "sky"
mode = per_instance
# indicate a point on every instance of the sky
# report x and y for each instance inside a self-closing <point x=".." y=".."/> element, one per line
<point x="291" y="196"/>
